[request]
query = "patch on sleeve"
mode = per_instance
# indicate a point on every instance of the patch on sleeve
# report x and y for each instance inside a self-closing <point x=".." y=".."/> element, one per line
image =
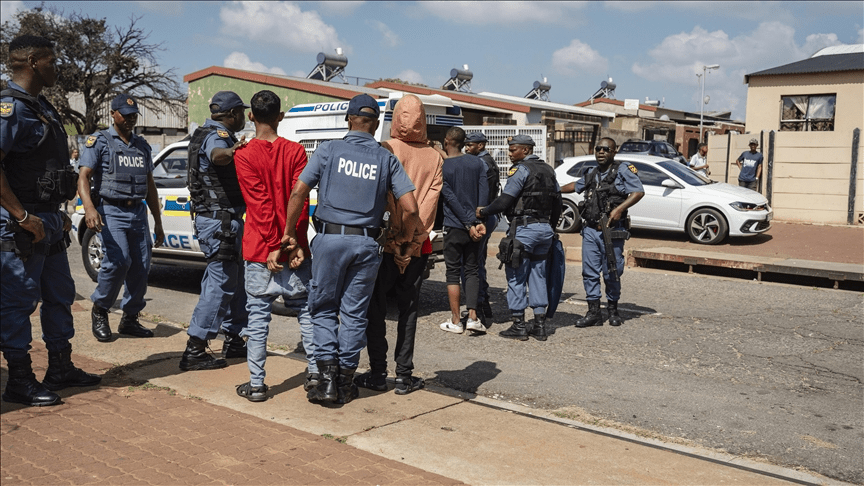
<point x="223" y="133"/>
<point x="632" y="168"/>
<point x="6" y="109"/>
<point x="512" y="171"/>
<point x="91" y="141"/>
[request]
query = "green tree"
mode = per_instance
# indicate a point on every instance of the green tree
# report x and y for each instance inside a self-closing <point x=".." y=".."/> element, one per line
<point x="95" y="61"/>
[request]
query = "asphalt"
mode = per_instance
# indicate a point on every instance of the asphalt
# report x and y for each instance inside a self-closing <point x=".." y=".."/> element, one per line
<point x="150" y="423"/>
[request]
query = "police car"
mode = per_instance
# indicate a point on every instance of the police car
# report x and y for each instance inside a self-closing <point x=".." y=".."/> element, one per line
<point x="677" y="198"/>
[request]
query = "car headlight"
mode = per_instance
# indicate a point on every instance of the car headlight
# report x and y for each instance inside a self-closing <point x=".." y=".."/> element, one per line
<point x="744" y="206"/>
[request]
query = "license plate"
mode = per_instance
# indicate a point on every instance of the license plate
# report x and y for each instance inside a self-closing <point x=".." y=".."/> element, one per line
<point x="769" y="217"/>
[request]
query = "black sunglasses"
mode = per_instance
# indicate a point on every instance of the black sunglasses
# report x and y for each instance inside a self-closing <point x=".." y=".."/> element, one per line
<point x="603" y="149"/>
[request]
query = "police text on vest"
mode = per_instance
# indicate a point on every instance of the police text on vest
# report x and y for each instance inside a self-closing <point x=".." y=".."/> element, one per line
<point x="128" y="161"/>
<point x="356" y="169"/>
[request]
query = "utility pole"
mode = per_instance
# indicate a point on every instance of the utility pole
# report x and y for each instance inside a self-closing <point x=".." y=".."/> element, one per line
<point x="704" y="101"/>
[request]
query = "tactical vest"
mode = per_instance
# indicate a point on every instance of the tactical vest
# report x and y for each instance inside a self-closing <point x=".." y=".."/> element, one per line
<point x="601" y="197"/>
<point x="216" y="188"/>
<point x="356" y="180"/>
<point x="540" y="193"/>
<point x="492" y="176"/>
<point x="126" y="177"/>
<point x="43" y="175"/>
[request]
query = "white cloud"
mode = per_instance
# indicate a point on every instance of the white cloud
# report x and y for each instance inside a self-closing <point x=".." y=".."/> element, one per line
<point x="505" y="13"/>
<point x="391" y="39"/>
<point x="411" y="76"/>
<point x="239" y="60"/>
<point x="339" y="8"/>
<point x="299" y="74"/>
<point x="707" y="10"/>
<point x="281" y="23"/>
<point x="579" y="57"/>
<point x="9" y="9"/>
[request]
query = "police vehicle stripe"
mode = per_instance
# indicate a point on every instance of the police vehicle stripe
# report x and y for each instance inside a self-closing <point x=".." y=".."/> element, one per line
<point x="298" y="109"/>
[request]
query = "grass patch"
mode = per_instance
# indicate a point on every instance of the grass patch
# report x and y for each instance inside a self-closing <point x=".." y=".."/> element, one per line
<point x="340" y="440"/>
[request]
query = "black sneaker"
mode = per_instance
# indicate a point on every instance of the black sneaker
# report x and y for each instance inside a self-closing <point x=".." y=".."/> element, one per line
<point x="372" y="380"/>
<point x="252" y="393"/>
<point x="408" y="384"/>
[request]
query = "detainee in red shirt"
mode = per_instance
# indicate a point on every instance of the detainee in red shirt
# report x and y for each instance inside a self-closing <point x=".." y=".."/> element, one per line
<point x="267" y="168"/>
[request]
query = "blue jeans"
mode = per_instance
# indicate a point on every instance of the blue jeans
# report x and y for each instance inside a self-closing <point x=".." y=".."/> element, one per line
<point x="537" y="238"/>
<point x="594" y="263"/>
<point x="128" y="248"/>
<point x="262" y="288"/>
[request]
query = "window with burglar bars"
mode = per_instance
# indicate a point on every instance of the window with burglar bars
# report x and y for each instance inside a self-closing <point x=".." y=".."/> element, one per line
<point x="496" y="142"/>
<point x="807" y="113"/>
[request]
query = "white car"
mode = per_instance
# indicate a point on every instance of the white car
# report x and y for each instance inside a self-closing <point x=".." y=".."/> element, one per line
<point x="676" y="199"/>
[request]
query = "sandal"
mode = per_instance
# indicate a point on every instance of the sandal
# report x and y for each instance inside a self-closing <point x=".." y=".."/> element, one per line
<point x="372" y="380"/>
<point x="252" y="393"/>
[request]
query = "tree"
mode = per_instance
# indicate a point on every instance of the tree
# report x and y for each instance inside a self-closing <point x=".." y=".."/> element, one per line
<point x="400" y="81"/>
<point x="95" y="61"/>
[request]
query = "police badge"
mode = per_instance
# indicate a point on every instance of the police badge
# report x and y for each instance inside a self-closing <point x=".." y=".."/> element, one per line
<point x="222" y="133"/>
<point x="91" y="141"/>
<point x="6" y="109"/>
<point x="632" y="168"/>
<point x="130" y="102"/>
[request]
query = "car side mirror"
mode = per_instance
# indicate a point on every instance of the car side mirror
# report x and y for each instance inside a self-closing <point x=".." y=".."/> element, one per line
<point x="670" y="184"/>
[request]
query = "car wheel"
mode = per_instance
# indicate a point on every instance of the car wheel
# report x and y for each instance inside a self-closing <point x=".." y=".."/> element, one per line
<point x="92" y="253"/>
<point x="569" y="220"/>
<point x="707" y="226"/>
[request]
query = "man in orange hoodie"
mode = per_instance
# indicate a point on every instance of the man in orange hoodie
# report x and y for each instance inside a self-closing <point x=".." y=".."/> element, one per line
<point x="403" y="265"/>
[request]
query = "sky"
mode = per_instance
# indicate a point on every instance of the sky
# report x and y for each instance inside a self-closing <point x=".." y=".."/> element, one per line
<point x="650" y="49"/>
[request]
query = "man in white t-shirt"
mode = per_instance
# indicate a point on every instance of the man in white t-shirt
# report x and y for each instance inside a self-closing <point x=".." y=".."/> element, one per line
<point x="699" y="161"/>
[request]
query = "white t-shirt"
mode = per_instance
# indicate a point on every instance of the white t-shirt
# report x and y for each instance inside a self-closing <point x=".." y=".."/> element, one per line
<point x="698" y="160"/>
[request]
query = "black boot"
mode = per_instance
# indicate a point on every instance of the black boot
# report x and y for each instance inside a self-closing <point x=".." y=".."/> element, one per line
<point x="594" y="317"/>
<point x="614" y="317"/>
<point x="130" y="326"/>
<point x="519" y="329"/>
<point x="233" y="347"/>
<point x="538" y="332"/>
<point x="346" y="388"/>
<point x="22" y="386"/>
<point x="62" y="373"/>
<point x="326" y="391"/>
<point x="196" y="357"/>
<point x="101" y="329"/>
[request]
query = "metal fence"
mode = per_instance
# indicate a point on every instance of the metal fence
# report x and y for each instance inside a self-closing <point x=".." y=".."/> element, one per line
<point x="496" y="142"/>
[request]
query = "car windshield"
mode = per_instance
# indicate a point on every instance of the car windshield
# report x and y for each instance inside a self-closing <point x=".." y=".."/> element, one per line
<point x="635" y="147"/>
<point x="173" y="166"/>
<point x="686" y="174"/>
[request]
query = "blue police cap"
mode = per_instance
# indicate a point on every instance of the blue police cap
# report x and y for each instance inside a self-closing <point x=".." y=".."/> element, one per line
<point x="124" y="104"/>
<point x="359" y="102"/>
<point x="225" y="101"/>
<point x="520" y="140"/>
<point x="475" y="137"/>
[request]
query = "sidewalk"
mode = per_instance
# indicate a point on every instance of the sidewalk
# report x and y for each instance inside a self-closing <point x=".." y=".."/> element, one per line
<point x="149" y="423"/>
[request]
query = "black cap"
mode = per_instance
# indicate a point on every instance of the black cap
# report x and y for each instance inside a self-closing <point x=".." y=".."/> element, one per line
<point x="520" y="139"/>
<point x="124" y="104"/>
<point x="225" y="101"/>
<point x="361" y="101"/>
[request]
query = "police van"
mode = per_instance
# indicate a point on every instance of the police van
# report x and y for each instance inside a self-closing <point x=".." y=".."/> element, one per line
<point x="309" y="125"/>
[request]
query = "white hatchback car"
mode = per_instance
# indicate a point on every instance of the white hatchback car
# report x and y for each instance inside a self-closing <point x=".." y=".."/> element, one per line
<point x="676" y="199"/>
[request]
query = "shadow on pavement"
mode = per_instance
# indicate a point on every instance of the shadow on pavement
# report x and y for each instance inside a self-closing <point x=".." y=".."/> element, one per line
<point x="470" y="379"/>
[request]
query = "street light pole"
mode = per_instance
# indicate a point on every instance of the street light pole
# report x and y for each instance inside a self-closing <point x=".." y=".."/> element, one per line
<point x="702" y="101"/>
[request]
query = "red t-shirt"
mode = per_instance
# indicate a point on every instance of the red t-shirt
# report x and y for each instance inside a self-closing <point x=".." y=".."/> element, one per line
<point x="267" y="172"/>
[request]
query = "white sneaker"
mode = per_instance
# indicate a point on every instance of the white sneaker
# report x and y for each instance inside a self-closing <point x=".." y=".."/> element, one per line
<point x="450" y="327"/>
<point x="475" y="325"/>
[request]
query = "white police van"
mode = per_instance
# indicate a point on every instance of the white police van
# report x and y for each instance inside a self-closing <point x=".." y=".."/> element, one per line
<point x="308" y="125"/>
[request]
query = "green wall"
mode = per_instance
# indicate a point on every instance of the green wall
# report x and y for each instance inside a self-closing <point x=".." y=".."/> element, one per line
<point x="202" y="90"/>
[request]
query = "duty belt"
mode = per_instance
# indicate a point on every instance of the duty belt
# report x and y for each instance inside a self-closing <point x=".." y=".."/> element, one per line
<point x="526" y="220"/>
<point x="341" y="229"/>
<point x="122" y="203"/>
<point x="40" y="248"/>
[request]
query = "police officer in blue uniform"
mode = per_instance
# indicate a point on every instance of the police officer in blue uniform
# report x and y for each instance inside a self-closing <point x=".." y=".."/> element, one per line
<point x="353" y="176"/>
<point x="613" y="188"/>
<point x="118" y="166"/>
<point x="475" y="144"/>
<point x="35" y="178"/>
<point x="218" y="205"/>
<point x="531" y="200"/>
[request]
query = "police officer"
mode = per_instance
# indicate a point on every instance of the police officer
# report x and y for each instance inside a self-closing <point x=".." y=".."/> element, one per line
<point x="35" y="177"/>
<point x="218" y="205"/>
<point x="475" y="144"/>
<point x="612" y="188"/>
<point x="353" y="176"/>
<point x="531" y="199"/>
<point x="118" y="166"/>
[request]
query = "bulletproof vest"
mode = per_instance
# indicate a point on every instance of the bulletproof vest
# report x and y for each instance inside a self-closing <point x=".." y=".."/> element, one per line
<point x="356" y="180"/>
<point x="539" y="193"/>
<point x="217" y="187"/>
<point x="126" y="177"/>
<point x="492" y="176"/>
<point x="601" y="197"/>
<point x="42" y="175"/>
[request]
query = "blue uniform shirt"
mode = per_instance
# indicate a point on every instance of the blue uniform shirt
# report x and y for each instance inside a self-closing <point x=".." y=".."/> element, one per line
<point x="516" y="181"/>
<point x="626" y="181"/>
<point x="214" y="139"/>
<point x="97" y="155"/>
<point x="20" y="129"/>
<point x="354" y="175"/>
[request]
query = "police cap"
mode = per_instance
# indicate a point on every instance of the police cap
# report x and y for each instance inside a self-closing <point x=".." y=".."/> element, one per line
<point x="124" y="104"/>
<point x="475" y="137"/>
<point x="357" y="103"/>
<point x="225" y="101"/>
<point x="520" y="140"/>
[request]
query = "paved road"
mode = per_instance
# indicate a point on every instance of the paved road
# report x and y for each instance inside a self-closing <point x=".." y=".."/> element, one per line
<point x="761" y="370"/>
